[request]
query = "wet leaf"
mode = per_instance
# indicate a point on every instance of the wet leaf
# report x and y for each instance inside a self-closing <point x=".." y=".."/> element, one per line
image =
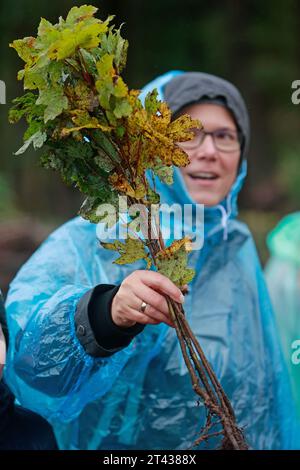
<point x="172" y="263"/>
<point x="130" y="251"/>
<point x="54" y="101"/>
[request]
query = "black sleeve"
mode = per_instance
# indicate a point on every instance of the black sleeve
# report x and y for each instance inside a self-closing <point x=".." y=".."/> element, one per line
<point x="3" y="320"/>
<point x="95" y="329"/>
<point x="6" y="406"/>
<point x="21" y="429"/>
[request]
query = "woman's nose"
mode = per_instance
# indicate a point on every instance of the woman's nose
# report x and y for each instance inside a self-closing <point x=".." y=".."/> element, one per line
<point x="207" y="149"/>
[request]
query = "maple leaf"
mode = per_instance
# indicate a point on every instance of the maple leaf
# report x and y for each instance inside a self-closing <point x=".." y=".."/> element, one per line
<point x="77" y="14"/>
<point x="175" y="246"/>
<point x="92" y="210"/>
<point x="164" y="173"/>
<point x="110" y="86"/>
<point x="152" y="104"/>
<point x="172" y="262"/>
<point x="179" y="157"/>
<point x="81" y="97"/>
<point x="36" y="139"/>
<point x="83" y="120"/>
<point x="113" y="44"/>
<point x="55" y="102"/>
<point x="181" y="129"/>
<point x="130" y="251"/>
<point x="25" y="48"/>
<point x="70" y="40"/>
<point x="104" y="161"/>
<point x="25" y="106"/>
<point x="47" y="35"/>
<point x="152" y="196"/>
<point x="122" y="109"/>
<point x="121" y="184"/>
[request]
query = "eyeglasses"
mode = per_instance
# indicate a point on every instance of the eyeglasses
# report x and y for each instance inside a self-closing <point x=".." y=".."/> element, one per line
<point x="225" y="140"/>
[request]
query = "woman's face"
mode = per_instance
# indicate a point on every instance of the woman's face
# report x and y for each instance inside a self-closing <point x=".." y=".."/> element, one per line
<point x="2" y="351"/>
<point x="211" y="172"/>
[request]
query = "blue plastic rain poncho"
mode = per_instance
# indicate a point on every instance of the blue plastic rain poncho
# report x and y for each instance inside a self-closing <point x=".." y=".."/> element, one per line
<point x="141" y="397"/>
<point x="283" y="280"/>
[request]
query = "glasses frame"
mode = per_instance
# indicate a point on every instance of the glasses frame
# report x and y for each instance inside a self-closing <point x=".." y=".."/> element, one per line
<point x="202" y="135"/>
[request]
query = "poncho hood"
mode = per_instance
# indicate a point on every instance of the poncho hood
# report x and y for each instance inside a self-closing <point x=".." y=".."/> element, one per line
<point x="180" y="89"/>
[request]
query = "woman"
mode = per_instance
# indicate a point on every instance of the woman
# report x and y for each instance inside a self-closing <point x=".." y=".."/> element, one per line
<point x="283" y="280"/>
<point x="94" y="347"/>
<point x="20" y="429"/>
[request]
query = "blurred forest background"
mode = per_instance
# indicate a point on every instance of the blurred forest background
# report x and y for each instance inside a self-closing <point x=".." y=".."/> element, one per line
<point x="253" y="43"/>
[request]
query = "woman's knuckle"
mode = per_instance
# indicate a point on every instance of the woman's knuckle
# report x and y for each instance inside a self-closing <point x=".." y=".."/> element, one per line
<point x="126" y="283"/>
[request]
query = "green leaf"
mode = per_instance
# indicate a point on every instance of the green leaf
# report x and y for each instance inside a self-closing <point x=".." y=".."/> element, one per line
<point x="34" y="78"/>
<point x="70" y="40"/>
<point x="114" y="246"/>
<point x="80" y="13"/>
<point x="34" y="127"/>
<point x="175" y="267"/>
<point x="105" y="144"/>
<point x="152" y="104"/>
<point x="130" y="251"/>
<point x="110" y="85"/>
<point x="55" y="102"/>
<point x="47" y="35"/>
<point x="153" y="197"/>
<point x="25" y="106"/>
<point x="37" y="139"/>
<point x="104" y="161"/>
<point x="120" y="131"/>
<point x="120" y="89"/>
<point x="105" y="66"/>
<point x="89" y="61"/>
<point x="83" y="120"/>
<point x="55" y="72"/>
<point x="122" y="109"/>
<point x="113" y="43"/>
<point x="90" y="211"/>
<point x="25" y="48"/>
<point x="104" y="93"/>
<point x="165" y="173"/>
<point x="21" y="74"/>
<point x="120" y="51"/>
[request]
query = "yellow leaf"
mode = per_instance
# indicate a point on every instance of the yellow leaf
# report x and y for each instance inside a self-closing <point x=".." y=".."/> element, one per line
<point x="105" y="66"/>
<point x="121" y="184"/>
<point x="67" y="130"/>
<point x="120" y="88"/>
<point x="175" y="246"/>
<point x="80" y="13"/>
<point x="24" y="48"/>
<point x="181" y="129"/>
<point x="179" y="157"/>
<point x="130" y="251"/>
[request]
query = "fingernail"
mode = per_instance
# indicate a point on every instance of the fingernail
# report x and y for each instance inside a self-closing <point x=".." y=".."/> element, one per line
<point x="181" y="298"/>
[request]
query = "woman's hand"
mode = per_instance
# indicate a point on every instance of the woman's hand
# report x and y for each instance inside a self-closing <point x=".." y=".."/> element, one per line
<point x="144" y="286"/>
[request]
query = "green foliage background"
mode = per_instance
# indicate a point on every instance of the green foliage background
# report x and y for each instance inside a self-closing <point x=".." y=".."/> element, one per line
<point x="253" y="43"/>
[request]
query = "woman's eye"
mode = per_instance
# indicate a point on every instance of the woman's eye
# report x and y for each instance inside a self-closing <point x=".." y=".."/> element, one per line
<point x="225" y="136"/>
<point x="196" y="134"/>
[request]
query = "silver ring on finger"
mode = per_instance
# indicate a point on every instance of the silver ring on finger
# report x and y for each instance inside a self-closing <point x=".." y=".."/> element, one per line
<point x="143" y="307"/>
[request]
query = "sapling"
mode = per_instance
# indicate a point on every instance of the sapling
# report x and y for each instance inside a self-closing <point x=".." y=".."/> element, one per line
<point x="99" y="136"/>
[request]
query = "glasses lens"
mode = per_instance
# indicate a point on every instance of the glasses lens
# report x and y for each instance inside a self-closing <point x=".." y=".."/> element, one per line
<point x="197" y="140"/>
<point x="226" y="140"/>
